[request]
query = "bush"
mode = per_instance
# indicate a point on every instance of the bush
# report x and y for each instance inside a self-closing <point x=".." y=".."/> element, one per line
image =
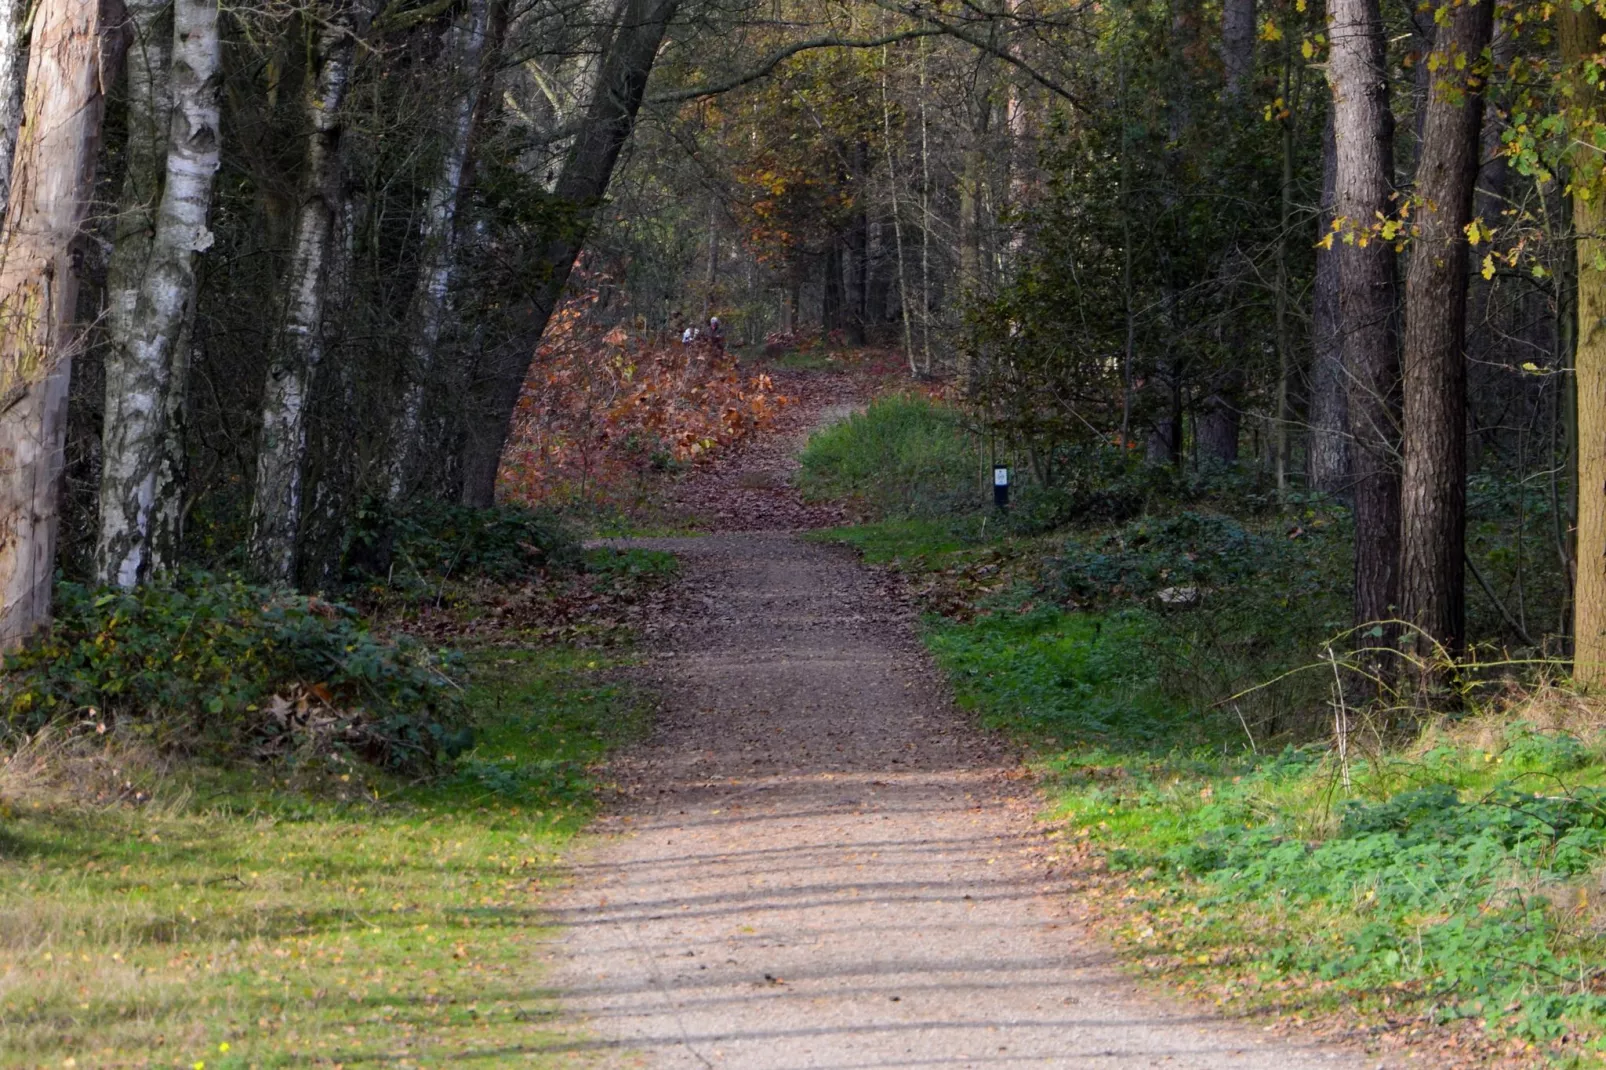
<point x="434" y="539"/>
<point x="211" y="662"/>
<point x="1189" y="549"/>
<point x="905" y="456"/>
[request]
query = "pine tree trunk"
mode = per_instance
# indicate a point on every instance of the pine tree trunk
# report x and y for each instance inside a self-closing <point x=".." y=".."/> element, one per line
<point x="153" y="293"/>
<point x="611" y="117"/>
<point x="1363" y="135"/>
<point x="428" y="311"/>
<point x="1433" y="488"/>
<point x="276" y="502"/>
<point x="52" y="181"/>
<point x="1328" y="449"/>
<point x="1580" y="32"/>
<point x="1238" y="45"/>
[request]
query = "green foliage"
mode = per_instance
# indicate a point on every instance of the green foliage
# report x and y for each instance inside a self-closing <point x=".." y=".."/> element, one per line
<point x="435" y="539"/>
<point x="905" y="456"/>
<point x="198" y="664"/>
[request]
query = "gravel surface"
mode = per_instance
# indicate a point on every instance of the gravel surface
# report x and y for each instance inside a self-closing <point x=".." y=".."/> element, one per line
<point x="818" y="862"/>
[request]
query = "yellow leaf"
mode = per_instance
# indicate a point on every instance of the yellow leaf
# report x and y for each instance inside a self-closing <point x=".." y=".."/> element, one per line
<point x="1270" y="31"/>
<point x="1488" y="267"/>
<point x="1306" y="49"/>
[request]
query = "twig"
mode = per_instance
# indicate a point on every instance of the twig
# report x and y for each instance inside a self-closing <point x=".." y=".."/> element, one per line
<point x="1516" y="625"/>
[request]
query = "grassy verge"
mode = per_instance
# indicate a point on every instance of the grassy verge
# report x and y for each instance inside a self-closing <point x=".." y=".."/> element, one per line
<point x="1450" y="886"/>
<point x="223" y="919"/>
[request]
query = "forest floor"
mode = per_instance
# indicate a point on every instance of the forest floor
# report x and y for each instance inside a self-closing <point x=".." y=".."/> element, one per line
<point x="816" y="859"/>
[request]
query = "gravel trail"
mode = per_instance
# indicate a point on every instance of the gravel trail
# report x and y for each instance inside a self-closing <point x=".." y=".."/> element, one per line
<point x="818" y="862"/>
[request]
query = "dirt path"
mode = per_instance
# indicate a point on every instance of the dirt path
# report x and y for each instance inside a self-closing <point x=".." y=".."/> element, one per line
<point x="819" y="863"/>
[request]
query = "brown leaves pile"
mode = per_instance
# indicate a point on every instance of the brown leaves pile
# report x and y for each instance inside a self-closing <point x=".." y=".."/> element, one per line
<point x="604" y="407"/>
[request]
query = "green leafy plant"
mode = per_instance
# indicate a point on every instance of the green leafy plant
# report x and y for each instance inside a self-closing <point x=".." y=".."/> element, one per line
<point x="208" y="662"/>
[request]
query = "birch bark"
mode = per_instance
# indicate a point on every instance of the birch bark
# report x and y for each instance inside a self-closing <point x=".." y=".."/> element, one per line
<point x="154" y="296"/>
<point x="276" y="502"/>
<point x="428" y="311"/>
<point x="52" y="180"/>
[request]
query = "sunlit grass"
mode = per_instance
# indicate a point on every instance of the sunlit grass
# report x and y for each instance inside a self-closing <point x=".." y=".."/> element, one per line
<point x="255" y="926"/>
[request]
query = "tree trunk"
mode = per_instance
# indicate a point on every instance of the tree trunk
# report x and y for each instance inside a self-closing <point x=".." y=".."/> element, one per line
<point x="832" y="297"/>
<point x="584" y="180"/>
<point x="52" y="181"/>
<point x="1221" y="422"/>
<point x="1434" y="485"/>
<point x="276" y="502"/>
<point x="1328" y="449"/>
<point x="146" y="326"/>
<point x="1238" y="45"/>
<point x="13" y="68"/>
<point x="428" y="311"/>
<point x="1580" y="33"/>
<point x="1363" y="135"/>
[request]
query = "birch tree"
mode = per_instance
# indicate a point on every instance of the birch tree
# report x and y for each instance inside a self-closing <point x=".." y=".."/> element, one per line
<point x="465" y="52"/>
<point x="52" y="180"/>
<point x="277" y="498"/>
<point x="152" y="297"/>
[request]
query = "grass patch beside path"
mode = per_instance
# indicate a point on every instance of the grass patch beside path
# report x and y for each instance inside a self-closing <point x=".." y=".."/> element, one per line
<point x="1454" y="887"/>
<point x="241" y="924"/>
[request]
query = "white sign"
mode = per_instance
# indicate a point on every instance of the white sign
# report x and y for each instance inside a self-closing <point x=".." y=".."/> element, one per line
<point x="1000" y="477"/>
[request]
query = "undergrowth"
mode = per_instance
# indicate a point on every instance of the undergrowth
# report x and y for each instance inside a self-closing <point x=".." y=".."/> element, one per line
<point x="1127" y="624"/>
<point x="329" y="914"/>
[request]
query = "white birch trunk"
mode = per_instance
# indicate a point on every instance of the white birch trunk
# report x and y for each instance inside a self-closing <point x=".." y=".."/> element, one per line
<point x="148" y="321"/>
<point x="52" y="181"/>
<point x="13" y="67"/>
<point x="276" y="503"/>
<point x="429" y="302"/>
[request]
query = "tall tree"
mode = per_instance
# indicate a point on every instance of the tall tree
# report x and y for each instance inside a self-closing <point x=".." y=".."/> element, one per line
<point x="620" y="86"/>
<point x="13" y="68"/>
<point x="52" y="179"/>
<point x="1327" y="454"/>
<point x="1363" y="136"/>
<point x="1434" y="484"/>
<point x="466" y="48"/>
<point x="276" y="503"/>
<point x="153" y="295"/>
<point x="1580" y="31"/>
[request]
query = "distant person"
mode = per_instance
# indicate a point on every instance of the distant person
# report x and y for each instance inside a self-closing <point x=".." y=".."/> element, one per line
<point x="716" y="334"/>
<point x="688" y="336"/>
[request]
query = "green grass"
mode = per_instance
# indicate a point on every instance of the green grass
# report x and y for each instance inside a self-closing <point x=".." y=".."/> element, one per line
<point x="906" y="456"/>
<point x="1455" y="879"/>
<point x="236" y="922"/>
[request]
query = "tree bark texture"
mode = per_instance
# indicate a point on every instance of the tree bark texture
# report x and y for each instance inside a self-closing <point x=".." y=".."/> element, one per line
<point x="1238" y="45"/>
<point x="13" y="69"/>
<point x="611" y="117"/>
<point x="146" y="345"/>
<point x="1580" y="33"/>
<point x="52" y="181"/>
<point x="276" y="503"/>
<point x="428" y="311"/>
<point x="1328" y="450"/>
<point x="1363" y="136"/>
<point x="1434" y="482"/>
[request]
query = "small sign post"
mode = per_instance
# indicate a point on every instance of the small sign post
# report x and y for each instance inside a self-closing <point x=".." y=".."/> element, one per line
<point x="1001" y="486"/>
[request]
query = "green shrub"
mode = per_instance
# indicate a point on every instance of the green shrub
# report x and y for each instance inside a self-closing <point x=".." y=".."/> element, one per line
<point x="905" y="456"/>
<point x="435" y="539"/>
<point x="211" y="662"/>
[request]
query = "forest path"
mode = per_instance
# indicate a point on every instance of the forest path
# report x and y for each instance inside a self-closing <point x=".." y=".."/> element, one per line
<point x="817" y="862"/>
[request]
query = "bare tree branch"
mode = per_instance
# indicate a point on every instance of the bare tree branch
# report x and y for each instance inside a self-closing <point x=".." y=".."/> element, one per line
<point x="779" y="56"/>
